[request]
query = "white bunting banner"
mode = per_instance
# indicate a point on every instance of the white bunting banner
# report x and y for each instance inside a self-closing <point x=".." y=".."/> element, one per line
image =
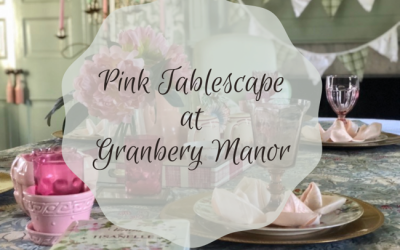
<point x="330" y="6"/>
<point x="367" y="4"/>
<point x="320" y="61"/>
<point x="299" y="6"/>
<point x="387" y="45"/>
<point x="354" y="59"/>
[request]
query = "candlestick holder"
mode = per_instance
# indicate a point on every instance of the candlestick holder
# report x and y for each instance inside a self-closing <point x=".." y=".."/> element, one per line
<point x="61" y="34"/>
<point x="93" y="10"/>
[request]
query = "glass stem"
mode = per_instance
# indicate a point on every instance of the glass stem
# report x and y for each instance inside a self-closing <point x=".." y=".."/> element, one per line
<point x="276" y="189"/>
<point x="342" y="118"/>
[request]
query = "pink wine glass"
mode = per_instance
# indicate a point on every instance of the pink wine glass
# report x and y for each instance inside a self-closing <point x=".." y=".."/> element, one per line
<point x="342" y="93"/>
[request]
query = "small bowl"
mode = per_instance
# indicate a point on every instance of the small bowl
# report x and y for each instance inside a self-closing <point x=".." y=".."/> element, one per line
<point x="43" y="239"/>
<point x="208" y="154"/>
<point x="54" y="213"/>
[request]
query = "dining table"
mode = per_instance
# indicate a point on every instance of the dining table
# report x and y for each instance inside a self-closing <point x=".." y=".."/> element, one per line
<point x="370" y="174"/>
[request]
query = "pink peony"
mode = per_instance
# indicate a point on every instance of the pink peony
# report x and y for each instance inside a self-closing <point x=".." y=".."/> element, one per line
<point x="150" y="45"/>
<point x="141" y="48"/>
<point x="112" y="104"/>
<point x="177" y="58"/>
<point x="153" y="47"/>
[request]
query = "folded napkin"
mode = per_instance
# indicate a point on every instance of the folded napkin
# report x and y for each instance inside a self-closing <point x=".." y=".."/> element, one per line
<point x="308" y="209"/>
<point x="245" y="204"/>
<point x="341" y="132"/>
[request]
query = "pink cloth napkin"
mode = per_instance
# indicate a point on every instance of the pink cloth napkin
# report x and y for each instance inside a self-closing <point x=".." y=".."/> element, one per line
<point x="308" y="209"/>
<point x="246" y="203"/>
<point x="339" y="132"/>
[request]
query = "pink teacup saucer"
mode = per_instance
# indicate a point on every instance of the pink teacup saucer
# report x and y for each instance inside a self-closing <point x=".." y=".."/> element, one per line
<point x="43" y="239"/>
<point x="54" y="213"/>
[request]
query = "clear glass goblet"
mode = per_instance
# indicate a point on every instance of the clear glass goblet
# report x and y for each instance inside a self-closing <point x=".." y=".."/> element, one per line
<point x="277" y="123"/>
<point x="342" y="94"/>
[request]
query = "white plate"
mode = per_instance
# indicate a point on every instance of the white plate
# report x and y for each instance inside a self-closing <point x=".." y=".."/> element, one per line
<point x="349" y="212"/>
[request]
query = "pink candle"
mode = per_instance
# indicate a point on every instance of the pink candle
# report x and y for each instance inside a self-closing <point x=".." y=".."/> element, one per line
<point x="19" y="90"/>
<point x="61" y="21"/>
<point x="105" y="8"/>
<point x="10" y="89"/>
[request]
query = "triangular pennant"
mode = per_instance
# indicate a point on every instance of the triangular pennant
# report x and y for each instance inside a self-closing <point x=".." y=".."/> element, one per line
<point x="355" y="62"/>
<point x="313" y="75"/>
<point x="299" y="6"/>
<point x="255" y="29"/>
<point x="367" y="4"/>
<point x="320" y="61"/>
<point x="331" y="6"/>
<point x="387" y="45"/>
<point x="284" y="54"/>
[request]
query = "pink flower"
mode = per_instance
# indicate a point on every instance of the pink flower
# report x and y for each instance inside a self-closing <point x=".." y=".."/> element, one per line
<point x="113" y="104"/>
<point x="146" y="41"/>
<point x="178" y="58"/>
<point x="141" y="48"/>
<point x="153" y="47"/>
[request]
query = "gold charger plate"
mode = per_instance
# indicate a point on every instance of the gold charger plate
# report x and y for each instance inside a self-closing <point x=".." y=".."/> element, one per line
<point x="6" y="183"/>
<point x="387" y="139"/>
<point x="371" y="220"/>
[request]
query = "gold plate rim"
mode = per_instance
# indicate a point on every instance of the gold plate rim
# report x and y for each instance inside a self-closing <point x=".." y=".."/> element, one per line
<point x="348" y="231"/>
<point x="6" y="183"/>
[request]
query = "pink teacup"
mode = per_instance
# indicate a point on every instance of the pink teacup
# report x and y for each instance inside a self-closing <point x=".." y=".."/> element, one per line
<point x="54" y="213"/>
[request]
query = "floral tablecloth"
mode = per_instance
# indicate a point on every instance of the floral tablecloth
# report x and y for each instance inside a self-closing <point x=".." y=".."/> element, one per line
<point x="369" y="174"/>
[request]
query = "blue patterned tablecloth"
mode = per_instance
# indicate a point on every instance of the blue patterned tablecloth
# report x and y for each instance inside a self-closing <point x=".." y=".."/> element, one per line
<point x="369" y="174"/>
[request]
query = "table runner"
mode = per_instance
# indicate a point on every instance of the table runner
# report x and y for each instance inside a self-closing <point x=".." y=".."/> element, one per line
<point x="369" y="174"/>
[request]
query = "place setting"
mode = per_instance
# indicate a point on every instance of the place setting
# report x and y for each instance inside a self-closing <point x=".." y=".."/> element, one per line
<point x="308" y="217"/>
<point x="258" y="212"/>
<point x="342" y="93"/>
